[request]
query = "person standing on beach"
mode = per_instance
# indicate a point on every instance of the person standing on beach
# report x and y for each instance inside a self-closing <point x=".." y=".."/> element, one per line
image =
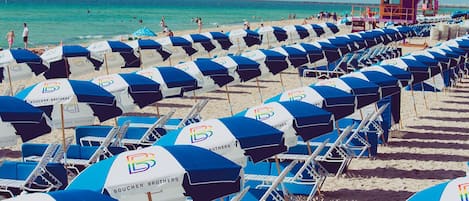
<point x="10" y="38"/>
<point x="199" y="24"/>
<point x="162" y="23"/>
<point x="25" y="35"/>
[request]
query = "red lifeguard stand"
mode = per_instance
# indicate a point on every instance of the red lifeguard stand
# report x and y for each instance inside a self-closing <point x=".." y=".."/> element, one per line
<point x="429" y="7"/>
<point x="398" y="11"/>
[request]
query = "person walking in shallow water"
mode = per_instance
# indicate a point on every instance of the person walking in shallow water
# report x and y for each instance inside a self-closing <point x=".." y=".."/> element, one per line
<point x="10" y="37"/>
<point x="25" y="35"/>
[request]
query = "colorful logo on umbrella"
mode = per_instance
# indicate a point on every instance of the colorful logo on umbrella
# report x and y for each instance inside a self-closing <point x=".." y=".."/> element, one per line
<point x="296" y="95"/>
<point x="50" y="87"/>
<point x="200" y="133"/>
<point x="264" y="113"/>
<point x="140" y="162"/>
<point x="463" y="191"/>
<point x="105" y="81"/>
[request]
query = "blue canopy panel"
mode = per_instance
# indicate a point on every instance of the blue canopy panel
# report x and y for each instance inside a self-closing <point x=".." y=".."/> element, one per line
<point x="247" y="69"/>
<point x="185" y="44"/>
<point x="365" y="92"/>
<point x="352" y="45"/>
<point x="280" y="34"/>
<point x="463" y="44"/>
<point x="341" y="44"/>
<point x="388" y="84"/>
<point x="77" y="195"/>
<point x="204" y="41"/>
<point x="422" y="86"/>
<point x="318" y="29"/>
<point x="206" y="173"/>
<point x="392" y="34"/>
<point x="146" y="44"/>
<point x="314" y="53"/>
<point x="378" y="35"/>
<point x="126" y="52"/>
<point x="253" y="133"/>
<point x="336" y="101"/>
<point x="222" y="39"/>
<point x="296" y="56"/>
<point x="310" y="121"/>
<point x="330" y="51"/>
<point x="61" y="68"/>
<point x="143" y="90"/>
<point x="358" y="40"/>
<point x="252" y="38"/>
<point x="32" y="60"/>
<point x="216" y="71"/>
<point x="174" y="77"/>
<point x="432" y="64"/>
<point x="403" y="76"/>
<point x="369" y="39"/>
<point x="302" y="32"/>
<point x="420" y="71"/>
<point x="332" y="27"/>
<point x="275" y="61"/>
<point x="445" y="61"/>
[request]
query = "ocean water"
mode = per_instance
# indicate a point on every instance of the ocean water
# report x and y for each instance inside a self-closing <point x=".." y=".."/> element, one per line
<point x="79" y="21"/>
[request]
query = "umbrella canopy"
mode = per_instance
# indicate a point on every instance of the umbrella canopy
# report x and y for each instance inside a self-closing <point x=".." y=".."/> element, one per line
<point x="64" y="61"/>
<point x="314" y="53"/>
<point x="369" y="37"/>
<point x="240" y="68"/>
<point x="420" y="71"/>
<point x="357" y="38"/>
<point x="334" y="29"/>
<point x="64" y="195"/>
<point x="460" y="43"/>
<point x="388" y="85"/>
<point x="295" y="56"/>
<point x="99" y="51"/>
<point x="130" y="90"/>
<point x="334" y="100"/>
<point x="21" y="64"/>
<point x="272" y="34"/>
<point x="294" y="117"/>
<point x="271" y="62"/>
<point x="80" y="101"/>
<point x="20" y="118"/>
<point x="221" y="38"/>
<point x="209" y="75"/>
<point x="341" y="43"/>
<point x="318" y="29"/>
<point x="352" y="44"/>
<point x="296" y="32"/>
<point x="167" y="173"/>
<point x="178" y="46"/>
<point x="144" y="32"/>
<point x="331" y="52"/>
<point x="244" y="38"/>
<point x="431" y="63"/>
<point x="444" y="61"/>
<point x="403" y="76"/>
<point x="454" y="190"/>
<point x="202" y="40"/>
<point x="149" y="51"/>
<point x="232" y="137"/>
<point x="365" y="92"/>
<point x="173" y="81"/>
<point x="311" y="30"/>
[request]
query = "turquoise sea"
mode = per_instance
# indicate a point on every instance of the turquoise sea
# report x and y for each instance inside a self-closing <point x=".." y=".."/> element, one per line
<point x="73" y="22"/>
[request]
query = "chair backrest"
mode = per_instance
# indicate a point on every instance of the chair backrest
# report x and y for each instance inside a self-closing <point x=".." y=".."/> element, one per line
<point x="153" y="130"/>
<point x="37" y="171"/>
<point x="279" y="180"/>
<point x="193" y="113"/>
<point x="121" y="131"/>
<point x="59" y="155"/>
<point x="103" y="146"/>
<point x="377" y="114"/>
<point x="339" y="140"/>
<point x="308" y="161"/>
<point x="363" y="123"/>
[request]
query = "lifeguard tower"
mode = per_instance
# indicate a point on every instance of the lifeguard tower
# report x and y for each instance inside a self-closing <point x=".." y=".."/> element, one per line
<point x="398" y="11"/>
<point x="429" y="7"/>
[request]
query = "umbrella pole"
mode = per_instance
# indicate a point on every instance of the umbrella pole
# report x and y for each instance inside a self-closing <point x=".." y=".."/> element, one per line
<point x="194" y="96"/>
<point x="105" y="61"/>
<point x="157" y="110"/>
<point x="424" y="97"/>
<point x="284" y="190"/>
<point x="140" y="57"/>
<point x="259" y="89"/>
<point x="239" y="49"/>
<point x="281" y="81"/>
<point x="413" y="99"/>
<point x="434" y="88"/>
<point x="229" y="99"/>
<point x="149" y="196"/>
<point x="67" y="70"/>
<point x="9" y="80"/>
<point x="63" y="126"/>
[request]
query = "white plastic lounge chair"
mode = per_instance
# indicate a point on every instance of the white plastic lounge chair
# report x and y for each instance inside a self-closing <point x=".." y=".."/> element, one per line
<point x="117" y="132"/>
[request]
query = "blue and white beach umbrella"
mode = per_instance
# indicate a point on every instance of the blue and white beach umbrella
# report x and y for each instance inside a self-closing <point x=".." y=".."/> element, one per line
<point x="179" y="47"/>
<point x="331" y="52"/>
<point x="67" y="61"/>
<point x="131" y="90"/>
<point x="144" y="32"/>
<point x="162" y="173"/>
<point x="296" y="57"/>
<point x="341" y="43"/>
<point x="296" y="32"/>
<point x="358" y="39"/>
<point x="444" y="61"/>
<point x="242" y="39"/>
<point x="369" y="37"/>
<point x="19" y="64"/>
<point x="314" y="53"/>
<point x="420" y="71"/>
<point x="453" y="190"/>
<point x="64" y="195"/>
<point x="432" y="64"/>
<point x="353" y="44"/>
<point x="79" y="102"/>
<point x="150" y="52"/>
<point x="18" y="118"/>
<point x="404" y="77"/>
<point x="318" y="29"/>
<point x="201" y="42"/>
<point x="240" y="68"/>
<point x="272" y="35"/>
<point x="235" y="138"/>
<point x="209" y="75"/>
<point x="312" y="32"/>
<point x="365" y="92"/>
<point x="173" y="81"/>
<point x="388" y="85"/>
<point x="332" y="27"/>
<point x="222" y="39"/>
<point x="462" y="43"/>
<point x="334" y="100"/>
<point x="106" y="52"/>
<point x="271" y="62"/>
<point x="293" y="118"/>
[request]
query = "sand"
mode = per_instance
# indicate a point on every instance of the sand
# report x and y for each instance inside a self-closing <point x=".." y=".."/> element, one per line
<point x="429" y="149"/>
